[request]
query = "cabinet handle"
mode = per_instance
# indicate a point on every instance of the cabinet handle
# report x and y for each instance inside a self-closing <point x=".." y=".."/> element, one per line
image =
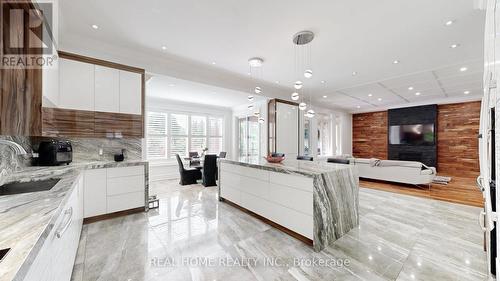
<point x="60" y="232"/>
<point x="481" y="220"/>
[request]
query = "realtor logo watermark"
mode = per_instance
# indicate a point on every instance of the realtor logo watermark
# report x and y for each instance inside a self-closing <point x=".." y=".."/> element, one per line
<point x="27" y="33"/>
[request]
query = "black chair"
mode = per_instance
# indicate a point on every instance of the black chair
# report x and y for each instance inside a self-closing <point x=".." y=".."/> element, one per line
<point x="210" y="170"/>
<point x="222" y="154"/>
<point x="188" y="176"/>
<point x="304" y="157"/>
<point x="193" y="154"/>
<point x="338" y="161"/>
<point x="276" y="154"/>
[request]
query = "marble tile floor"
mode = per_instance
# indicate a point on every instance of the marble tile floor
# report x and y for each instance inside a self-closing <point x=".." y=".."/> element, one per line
<point x="192" y="236"/>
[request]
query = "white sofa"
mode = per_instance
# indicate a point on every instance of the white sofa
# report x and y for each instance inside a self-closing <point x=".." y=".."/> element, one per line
<point x="409" y="172"/>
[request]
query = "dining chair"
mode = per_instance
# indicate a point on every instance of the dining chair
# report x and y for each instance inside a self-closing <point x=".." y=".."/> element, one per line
<point x="305" y="157"/>
<point x="188" y="176"/>
<point x="210" y="170"/>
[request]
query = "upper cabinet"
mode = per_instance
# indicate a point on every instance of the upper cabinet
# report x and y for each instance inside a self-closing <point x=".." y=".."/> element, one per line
<point x="76" y="85"/>
<point x="107" y="89"/>
<point x="108" y="98"/>
<point x="130" y="92"/>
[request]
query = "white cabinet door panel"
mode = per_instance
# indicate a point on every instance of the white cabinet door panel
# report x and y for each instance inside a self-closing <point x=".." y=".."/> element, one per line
<point x="76" y="85"/>
<point x="126" y="201"/>
<point x="130" y="92"/>
<point x="94" y="193"/>
<point x="123" y="185"/>
<point x="299" y="182"/>
<point x="293" y="220"/>
<point x="125" y="171"/>
<point x="107" y="89"/>
<point x="230" y="193"/>
<point x="292" y="198"/>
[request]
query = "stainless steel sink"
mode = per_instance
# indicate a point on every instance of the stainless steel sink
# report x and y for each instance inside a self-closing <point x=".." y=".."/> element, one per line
<point x="26" y="187"/>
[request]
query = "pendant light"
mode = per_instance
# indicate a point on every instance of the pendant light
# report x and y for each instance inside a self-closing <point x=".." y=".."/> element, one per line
<point x="302" y="106"/>
<point x="295" y="96"/>
<point x="250" y="98"/>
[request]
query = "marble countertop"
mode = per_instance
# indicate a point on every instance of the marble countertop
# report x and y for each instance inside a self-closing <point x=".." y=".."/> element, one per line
<point x="27" y="219"/>
<point x="305" y="168"/>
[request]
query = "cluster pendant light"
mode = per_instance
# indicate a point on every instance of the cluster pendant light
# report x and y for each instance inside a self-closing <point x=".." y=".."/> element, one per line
<point x="302" y="65"/>
<point x="256" y="72"/>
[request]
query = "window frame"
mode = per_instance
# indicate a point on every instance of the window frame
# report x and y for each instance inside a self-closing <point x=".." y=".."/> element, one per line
<point x="169" y="136"/>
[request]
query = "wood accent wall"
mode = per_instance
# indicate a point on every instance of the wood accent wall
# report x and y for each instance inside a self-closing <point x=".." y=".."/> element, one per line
<point x="458" y="129"/>
<point x="369" y="135"/>
<point x="20" y="87"/>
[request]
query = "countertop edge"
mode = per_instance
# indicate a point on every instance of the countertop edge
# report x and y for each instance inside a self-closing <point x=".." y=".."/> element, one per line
<point x="78" y="172"/>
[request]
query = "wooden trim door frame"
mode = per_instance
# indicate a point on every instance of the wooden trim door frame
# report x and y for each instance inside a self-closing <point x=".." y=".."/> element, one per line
<point x="272" y="124"/>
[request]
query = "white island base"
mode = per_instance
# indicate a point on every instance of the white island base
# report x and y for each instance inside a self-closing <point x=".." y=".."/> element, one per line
<point x="314" y="202"/>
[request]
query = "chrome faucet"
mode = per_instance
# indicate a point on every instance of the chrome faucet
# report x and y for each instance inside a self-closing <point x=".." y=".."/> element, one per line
<point x="17" y="148"/>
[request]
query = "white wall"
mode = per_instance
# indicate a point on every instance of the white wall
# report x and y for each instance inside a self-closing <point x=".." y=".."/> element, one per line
<point x="168" y="169"/>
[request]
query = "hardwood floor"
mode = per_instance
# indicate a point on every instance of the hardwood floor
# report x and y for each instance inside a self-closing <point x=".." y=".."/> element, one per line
<point x="459" y="190"/>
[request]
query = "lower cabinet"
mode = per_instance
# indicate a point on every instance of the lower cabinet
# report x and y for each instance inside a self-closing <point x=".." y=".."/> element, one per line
<point x="114" y="189"/>
<point x="55" y="259"/>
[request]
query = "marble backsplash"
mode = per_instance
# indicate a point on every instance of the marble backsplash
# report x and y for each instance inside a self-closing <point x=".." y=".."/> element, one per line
<point x="84" y="150"/>
<point x="9" y="161"/>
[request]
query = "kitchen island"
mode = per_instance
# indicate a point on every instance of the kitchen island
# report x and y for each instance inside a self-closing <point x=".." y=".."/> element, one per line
<point x="316" y="202"/>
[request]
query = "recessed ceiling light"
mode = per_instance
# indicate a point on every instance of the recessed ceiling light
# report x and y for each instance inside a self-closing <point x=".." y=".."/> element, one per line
<point x="395" y="62"/>
<point x="171" y="85"/>
<point x="453" y="46"/>
<point x="370" y="95"/>
<point x="325" y="97"/>
<point x="322" y="81"/>
<point x="354" y="73"/>
<point x="249" y="73"/>
<point x="466" y="92"/>
<point x="450" y="22"/>
<point x="417" y="94"/>
<point x="463" y="68"/>
<point x="410" y="88"/>
<point x="255" y="62"/>
<point x="277" y="82"/>
<point x="358" y="106"/>
<point x="379" y="99"/>
<point x="213" y="63"/>
<point x="164" y="47"/>
<point x="95" y="26"/>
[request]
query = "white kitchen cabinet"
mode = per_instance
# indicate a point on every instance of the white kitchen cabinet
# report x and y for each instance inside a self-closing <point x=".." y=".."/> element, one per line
<point x="76" y="85"/>
<point x="95" y="193"/>
<point x="107" y="89"/>
<point x="130" y="92"/>
<point x="55" y="259"/>
<point x="110" y="190"/>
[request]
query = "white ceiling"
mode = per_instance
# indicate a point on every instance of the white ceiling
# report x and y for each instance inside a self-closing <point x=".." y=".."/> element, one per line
<point x="170" y="88"/>
<point x="363" y="36"/>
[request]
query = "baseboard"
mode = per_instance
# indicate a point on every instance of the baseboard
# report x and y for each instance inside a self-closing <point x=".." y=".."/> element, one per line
<point x="112" y="215"/>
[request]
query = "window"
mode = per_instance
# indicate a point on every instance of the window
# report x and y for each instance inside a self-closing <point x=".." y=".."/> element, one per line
<point x="215" y="133"/>
<point x="324" y="135"/>
<point x="157" y="135"/>
<point x="179" y="134"/>
<point x="249" y="133"/>
<point x="169" y="134"/>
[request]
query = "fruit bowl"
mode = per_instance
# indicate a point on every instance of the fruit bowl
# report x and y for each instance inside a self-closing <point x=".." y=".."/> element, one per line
<point x="276" y="159"/>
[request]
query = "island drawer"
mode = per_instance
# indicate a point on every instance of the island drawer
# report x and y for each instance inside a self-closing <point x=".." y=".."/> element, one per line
<point x="299" y="182"/>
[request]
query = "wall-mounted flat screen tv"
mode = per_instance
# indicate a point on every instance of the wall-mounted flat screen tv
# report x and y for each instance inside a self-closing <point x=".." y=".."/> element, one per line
<point x="418" y="134"/>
